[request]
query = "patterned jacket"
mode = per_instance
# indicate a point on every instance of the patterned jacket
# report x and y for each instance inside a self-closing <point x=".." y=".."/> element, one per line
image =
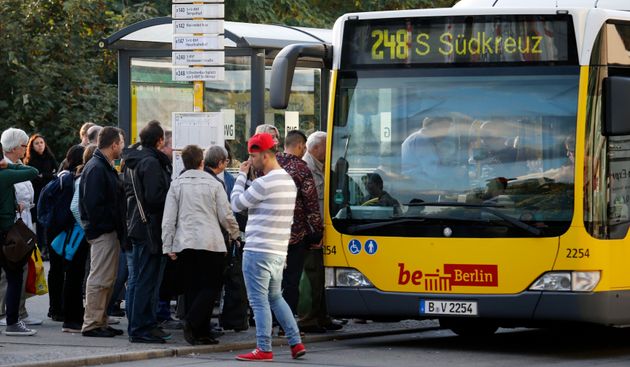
<point x="306" y="218"/>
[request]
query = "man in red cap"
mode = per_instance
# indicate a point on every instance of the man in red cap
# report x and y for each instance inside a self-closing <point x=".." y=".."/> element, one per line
<point x="270" y="202"/>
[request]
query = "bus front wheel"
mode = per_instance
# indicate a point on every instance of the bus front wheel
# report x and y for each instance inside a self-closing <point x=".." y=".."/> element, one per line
<point x="469" y="327"/>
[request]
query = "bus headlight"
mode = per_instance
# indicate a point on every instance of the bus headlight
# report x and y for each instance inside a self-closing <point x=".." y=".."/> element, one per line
<point x="346" y="277"/>
<point x="575" y="281"/>
<point x="585" y="281"/>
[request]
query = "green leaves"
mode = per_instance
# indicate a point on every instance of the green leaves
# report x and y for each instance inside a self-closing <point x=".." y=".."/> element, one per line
<point x="315" y="13"/>
<point x="53" y="76"/>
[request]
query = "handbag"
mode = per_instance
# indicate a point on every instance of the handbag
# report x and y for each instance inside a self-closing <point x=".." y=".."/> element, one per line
<point x="19" y="243"/>
<point x="36" y="279"/>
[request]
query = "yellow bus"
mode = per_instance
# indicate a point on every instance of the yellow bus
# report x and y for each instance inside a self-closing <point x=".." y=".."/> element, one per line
<point x="478" y="163"/>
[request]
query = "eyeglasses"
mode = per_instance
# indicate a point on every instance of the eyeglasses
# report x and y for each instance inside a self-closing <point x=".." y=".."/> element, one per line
<point x="24" y="146"/>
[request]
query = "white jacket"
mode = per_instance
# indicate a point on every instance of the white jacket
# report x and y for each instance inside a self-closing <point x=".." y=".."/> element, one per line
<point x="196" y="204"/>
<point x="24" y="195"/>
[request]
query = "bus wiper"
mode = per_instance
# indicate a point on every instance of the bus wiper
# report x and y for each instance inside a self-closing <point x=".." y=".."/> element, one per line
<point x="488" y="208"/>
<point x="362" y="227"/>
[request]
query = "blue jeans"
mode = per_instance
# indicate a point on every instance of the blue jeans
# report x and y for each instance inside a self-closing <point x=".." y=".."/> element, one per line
<point x="131" y="287"/>
<point x="13" y="292"/>
<point x="263" y="279"/>
<point x="148" y="269"/>
<point x="121" y="278"/>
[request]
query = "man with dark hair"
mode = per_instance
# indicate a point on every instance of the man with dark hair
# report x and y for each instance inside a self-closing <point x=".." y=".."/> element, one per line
<point x="147" y="179"/>
<point x="307" y="225"/>
<point x="378" y="196"/>
<point x="270" y="201"/>
<point x="102" y="208"/>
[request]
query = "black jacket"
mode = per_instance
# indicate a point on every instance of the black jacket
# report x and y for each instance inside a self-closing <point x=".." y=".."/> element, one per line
<point x="152" y="174"/>
<point x="102" y="199"/>
<point x="46" y="164"/>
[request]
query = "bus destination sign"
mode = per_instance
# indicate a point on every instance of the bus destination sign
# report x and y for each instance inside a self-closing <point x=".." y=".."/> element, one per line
<point x="447" y="40"/>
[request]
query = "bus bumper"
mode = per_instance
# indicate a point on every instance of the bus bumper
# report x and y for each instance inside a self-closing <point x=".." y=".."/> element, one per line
<point x="530" y="307"/>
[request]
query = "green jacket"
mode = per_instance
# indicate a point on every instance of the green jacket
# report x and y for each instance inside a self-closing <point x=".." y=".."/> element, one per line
<point x="9" y="176"/>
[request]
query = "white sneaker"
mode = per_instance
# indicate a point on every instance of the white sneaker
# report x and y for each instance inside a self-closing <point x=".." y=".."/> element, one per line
<point x="112" y="320"/>
<point x="3" y="322"/>
<point x="19" y="329"/>
<point x="29" y="320"/>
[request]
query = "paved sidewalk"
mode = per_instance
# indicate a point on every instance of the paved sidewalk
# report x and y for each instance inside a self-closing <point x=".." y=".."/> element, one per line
<point x="50" y="347"/>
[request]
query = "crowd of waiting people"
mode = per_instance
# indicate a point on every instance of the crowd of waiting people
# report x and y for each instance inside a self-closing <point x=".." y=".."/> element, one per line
<point x="143" y="234"/>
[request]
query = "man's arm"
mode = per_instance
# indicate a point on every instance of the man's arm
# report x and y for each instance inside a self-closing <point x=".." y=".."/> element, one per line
<point x="311" y="199"/>
<point x="169" y="221"/>
<point x="244" y="199"/>
<point x="11" y="174"/>
<point x="154" y="186"/>
<point x="92" y="200"/>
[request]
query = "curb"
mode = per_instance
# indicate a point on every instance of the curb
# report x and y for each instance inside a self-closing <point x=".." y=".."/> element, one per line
<point x="182" y="351"/>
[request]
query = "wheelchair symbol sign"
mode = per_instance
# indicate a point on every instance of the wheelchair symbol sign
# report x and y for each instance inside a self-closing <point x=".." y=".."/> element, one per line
<point x="354" y="246"/>
<point x="370" y="247"/>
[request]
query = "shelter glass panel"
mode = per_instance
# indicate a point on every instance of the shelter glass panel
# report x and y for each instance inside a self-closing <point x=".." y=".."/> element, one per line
<point x="154" y="96"/>
<point x="304" y="109"/>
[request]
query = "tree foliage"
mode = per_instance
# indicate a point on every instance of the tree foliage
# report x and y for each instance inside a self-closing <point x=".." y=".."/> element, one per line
<point x="54" y="77"/>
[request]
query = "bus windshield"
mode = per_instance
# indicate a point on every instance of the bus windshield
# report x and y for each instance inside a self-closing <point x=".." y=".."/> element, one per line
<point x="482" y="152"/>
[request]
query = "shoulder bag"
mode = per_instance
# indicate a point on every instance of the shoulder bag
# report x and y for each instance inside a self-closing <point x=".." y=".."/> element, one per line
<point x="19" y="243"/>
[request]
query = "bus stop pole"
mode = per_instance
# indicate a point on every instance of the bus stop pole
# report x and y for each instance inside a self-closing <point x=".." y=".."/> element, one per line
<point x="198" y="96"/>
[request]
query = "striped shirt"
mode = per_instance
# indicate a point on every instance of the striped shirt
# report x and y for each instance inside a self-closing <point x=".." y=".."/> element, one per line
<point x="270" y="202"/>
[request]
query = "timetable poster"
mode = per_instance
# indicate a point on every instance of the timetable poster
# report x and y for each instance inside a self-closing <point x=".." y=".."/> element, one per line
<point x="200" y="128"/>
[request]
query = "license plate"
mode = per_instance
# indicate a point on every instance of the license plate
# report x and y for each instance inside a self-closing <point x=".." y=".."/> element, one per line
<point x="434" y="307"/>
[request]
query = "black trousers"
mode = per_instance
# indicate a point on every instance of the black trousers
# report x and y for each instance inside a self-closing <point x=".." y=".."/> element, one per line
<point x="317" y="314"/>
<point x="292" y="274"/>
<point x="65" y="284"/>
<point x="203" y="275"/>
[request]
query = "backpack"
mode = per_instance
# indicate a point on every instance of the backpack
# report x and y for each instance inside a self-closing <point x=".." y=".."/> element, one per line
<point x="53" y="206"/>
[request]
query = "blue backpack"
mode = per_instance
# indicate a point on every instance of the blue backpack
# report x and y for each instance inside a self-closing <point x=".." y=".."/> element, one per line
<point x="53" y="206"/>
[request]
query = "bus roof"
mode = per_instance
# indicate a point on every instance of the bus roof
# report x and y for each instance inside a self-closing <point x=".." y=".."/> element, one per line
<point x="588" y="17"/>
<point x="600" y="4"/>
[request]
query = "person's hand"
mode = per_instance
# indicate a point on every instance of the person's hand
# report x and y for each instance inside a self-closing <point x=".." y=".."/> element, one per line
<point x="238" y="242"/>
<point x="4" y="164"/>
<point x="21" y="207"/>
<point x="245" y="166"/>
<point x="172" y="255"/>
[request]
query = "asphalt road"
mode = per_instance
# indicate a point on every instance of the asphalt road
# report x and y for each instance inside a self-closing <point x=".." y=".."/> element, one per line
<point x="575" y="347"/>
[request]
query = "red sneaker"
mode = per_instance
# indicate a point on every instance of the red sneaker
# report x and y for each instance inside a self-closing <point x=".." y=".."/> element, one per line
<point x="298" y="350"/>
<point x="258" y="355"/>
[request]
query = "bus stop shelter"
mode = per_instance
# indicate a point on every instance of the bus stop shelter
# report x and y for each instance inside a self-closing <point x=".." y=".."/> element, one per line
<point x="146" y="91"/>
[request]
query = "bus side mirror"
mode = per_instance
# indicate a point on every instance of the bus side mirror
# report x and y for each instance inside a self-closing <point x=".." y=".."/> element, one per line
<point x="616" y="103"/>
<point x="283" y="69"/>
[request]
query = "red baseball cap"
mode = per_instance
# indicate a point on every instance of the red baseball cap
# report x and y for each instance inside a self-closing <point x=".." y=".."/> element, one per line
<point x="260" y="143"/>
